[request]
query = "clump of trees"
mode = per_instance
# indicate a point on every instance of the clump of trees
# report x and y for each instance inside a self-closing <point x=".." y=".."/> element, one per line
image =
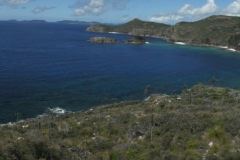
<point x="234" y="40"/>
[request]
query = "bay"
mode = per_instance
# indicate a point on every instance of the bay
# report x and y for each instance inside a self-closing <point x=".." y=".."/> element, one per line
<point x="48" y="65"/>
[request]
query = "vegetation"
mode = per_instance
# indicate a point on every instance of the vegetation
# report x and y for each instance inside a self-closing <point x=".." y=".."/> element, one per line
<point x="134" y="27"/>
<point x="136" y="39"/>
<point x="214" y="30"/>
<point x="234" y="40"/>
<point x="200" y="123"/>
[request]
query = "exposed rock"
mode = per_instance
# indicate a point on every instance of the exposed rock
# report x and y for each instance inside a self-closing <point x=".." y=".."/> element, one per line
<point x="210" y="144"/>
<point x="136" y="40"/>
<point x="103" y="40"/>
<point x="140" y="138"/>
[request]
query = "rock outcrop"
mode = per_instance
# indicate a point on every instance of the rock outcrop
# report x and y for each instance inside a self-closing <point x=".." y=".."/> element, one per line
<point x="103" y="40"/>
<point x="136" y="40"/>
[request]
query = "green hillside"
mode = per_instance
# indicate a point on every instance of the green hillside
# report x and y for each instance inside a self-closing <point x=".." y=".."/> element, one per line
<point x="214" y="30"/>
<point x="134" y="27"/>
<point x="201" y="123"/>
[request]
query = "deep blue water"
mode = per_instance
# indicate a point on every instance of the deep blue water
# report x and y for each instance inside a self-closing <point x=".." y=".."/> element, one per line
<point x="53" y="65"/>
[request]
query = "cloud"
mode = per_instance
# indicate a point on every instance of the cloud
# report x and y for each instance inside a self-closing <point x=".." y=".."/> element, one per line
<point x="233" y="9"/>
<point x="188" y="12"/>
<point x="97" y="7"/>
<point x="126" y="17"/>
<point x="42" y="8"/>
<point x="207" y="9"/>
<point x="165" y="18"/>
<point x="14" y="2"/>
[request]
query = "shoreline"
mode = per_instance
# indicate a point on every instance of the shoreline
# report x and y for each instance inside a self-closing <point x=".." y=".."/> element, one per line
<point x="184" y="43"/>
<point x="221" y="47"/>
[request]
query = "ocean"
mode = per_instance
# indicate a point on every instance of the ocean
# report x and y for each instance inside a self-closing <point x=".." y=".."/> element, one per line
<point x="49" y="65"/>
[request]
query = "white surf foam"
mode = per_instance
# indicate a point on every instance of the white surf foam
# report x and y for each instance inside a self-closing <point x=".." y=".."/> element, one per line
<point x="180" y="43"/>
<point x="113" y="32"/>
<point x="231" y="49"/>
<point x="58" y="110"/>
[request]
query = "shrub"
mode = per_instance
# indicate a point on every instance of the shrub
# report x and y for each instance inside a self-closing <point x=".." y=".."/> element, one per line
<point x="193" y="144"/>
<point x="192" y="155"/>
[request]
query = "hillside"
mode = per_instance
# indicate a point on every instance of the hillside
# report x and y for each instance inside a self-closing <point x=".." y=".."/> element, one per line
<point x="214" y="31"/>
<point x="201" y="124"/>
<point x="134" y="27"/>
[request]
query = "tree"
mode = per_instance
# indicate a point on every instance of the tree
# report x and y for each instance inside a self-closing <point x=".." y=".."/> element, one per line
<point x="212" y="80"/>
<point x="18" y="116"/>
<point x="147" y="90"/>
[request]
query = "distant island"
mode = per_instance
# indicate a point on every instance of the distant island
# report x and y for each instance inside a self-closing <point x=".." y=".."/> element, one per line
<point x="34" y="21"/>
<point x="77" y="22"/>
<point x="132" y="40"/>
<point x="219" y="31"/>
<point x="103" y="40"/>
<point x="63" y="21"/>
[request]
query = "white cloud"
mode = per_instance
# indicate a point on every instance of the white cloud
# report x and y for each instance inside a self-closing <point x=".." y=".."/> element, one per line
<point x="126" y="17"/>
<point x="97" y="7"/>
<point x="79" y="12"/>
<point x="165" y="18"/>
<point x="188" y="11"/>
<point x="42" y="8"/>
<point x="233" y="9"/>
<point x="15" y="2"/>
<point x="208" y="8"/>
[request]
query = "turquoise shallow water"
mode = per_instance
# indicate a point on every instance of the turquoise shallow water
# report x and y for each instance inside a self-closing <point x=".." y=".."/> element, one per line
<point x="53" y="65"/>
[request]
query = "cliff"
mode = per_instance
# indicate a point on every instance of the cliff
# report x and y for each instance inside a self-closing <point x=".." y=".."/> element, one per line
<point x="214" y="31"/>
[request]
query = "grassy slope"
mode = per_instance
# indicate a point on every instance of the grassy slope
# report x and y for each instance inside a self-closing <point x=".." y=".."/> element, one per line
<point x="215" y="30"/>
<point x="182" y="129"/>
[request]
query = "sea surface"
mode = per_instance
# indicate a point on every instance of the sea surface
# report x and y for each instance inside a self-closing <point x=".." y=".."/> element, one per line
<point x="49" y="65"/>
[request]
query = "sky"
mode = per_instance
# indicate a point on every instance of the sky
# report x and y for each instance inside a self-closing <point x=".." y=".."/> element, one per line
<point x="117" y="11"/>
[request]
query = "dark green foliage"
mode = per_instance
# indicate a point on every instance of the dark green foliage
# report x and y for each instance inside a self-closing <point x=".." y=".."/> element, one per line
<point x="234" y="40"/>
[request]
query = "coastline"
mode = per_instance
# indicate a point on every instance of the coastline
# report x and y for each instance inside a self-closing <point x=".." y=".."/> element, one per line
<point x="221" y="47"/>
<point x="182" y="43"/>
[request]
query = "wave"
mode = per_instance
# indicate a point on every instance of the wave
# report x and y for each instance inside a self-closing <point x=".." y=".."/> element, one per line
<point x="180" y="43"/>
<point x="114" y="32"/>
<point x="58" y="110"/>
